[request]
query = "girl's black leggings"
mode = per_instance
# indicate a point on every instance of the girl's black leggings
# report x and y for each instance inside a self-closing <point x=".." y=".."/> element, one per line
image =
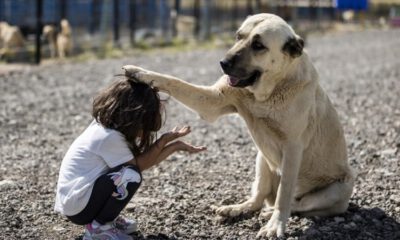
<point x="111" y="193"/>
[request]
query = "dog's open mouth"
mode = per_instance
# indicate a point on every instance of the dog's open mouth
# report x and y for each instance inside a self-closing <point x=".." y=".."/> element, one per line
<point x="244" y="82"/>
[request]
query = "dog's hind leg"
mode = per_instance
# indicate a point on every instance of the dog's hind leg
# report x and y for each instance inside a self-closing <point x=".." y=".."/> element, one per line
<point x="330" y="200"/>
<point x="260" y="189"/>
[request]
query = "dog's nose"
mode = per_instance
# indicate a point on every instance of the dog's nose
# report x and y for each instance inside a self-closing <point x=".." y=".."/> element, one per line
<point x="225" y="64"/>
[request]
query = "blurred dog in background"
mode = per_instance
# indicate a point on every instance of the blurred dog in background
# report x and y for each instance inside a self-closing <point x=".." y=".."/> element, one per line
<point x="59" y="39"/>
<point x="10" y="38"/>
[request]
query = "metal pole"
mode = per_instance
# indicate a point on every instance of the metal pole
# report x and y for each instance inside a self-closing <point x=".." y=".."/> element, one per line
<point x="234" y="14"/>
<point x="132" y="20"/>
<point x="249" y="7"/>
<point x="94" y="19"/>
<point x="258" y="6"/>
<point x="177" y="7"/>
<point x="116" y="23"/>
<point x="196" y="13"/>
<point x="63" y="9"/>
<point x="206" y="19"/>
<point x="39" y="8"/>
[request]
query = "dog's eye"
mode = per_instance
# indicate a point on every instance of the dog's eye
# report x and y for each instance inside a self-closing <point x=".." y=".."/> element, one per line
<point x="239" y="37"/>
<point x="257" y="46"/>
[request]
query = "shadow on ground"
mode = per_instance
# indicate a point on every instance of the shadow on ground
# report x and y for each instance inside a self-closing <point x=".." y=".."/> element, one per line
<point x="357" y="222"/>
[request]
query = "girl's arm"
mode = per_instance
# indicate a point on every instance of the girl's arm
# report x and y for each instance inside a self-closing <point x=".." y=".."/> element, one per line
<point x="148" y="158"/>
<point x="178" y="146"/>
<point x="159" y="151"/>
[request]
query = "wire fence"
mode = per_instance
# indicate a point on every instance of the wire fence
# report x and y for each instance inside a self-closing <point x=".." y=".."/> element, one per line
<point x="95" y="24"/>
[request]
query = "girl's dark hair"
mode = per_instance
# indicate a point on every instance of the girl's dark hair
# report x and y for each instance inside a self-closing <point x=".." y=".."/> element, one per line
<point x="132" y="108"/>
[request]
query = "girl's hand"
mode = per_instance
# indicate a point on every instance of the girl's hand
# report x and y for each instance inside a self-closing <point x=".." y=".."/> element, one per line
<point x="175" y="133"/>
<point x="178" y="146"/>
<point x="182" y="146"/>
<point x="161" y="149"/>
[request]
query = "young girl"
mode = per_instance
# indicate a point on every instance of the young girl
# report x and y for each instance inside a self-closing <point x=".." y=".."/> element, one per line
<point x="102" y="169"/>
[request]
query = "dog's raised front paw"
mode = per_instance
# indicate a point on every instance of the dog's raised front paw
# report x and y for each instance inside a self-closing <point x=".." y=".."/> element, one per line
<point x="137" y="73"/>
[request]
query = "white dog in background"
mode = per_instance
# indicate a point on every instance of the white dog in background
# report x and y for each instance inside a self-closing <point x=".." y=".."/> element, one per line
<point x="10" y="38"/>
<point x="60" y="41"/>
<point x="271" y="83"/>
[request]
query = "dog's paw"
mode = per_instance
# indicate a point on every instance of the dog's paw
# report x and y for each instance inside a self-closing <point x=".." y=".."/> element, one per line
<point x="274" y="228"/>
<point x="137" y="73"/>
<point x="230" y="210"/>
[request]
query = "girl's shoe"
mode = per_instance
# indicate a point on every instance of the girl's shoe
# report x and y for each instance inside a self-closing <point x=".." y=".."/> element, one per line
<point x="105" y="232"/>
<point x="126" y="225"/>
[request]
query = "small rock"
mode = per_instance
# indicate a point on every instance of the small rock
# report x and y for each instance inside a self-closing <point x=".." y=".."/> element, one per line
<point x="377" y="222"/>
<point x="389" y="151"/>
<point x="325" y="229"/>
<point x="395" y="198"/>
<point x="130" y="207"/>
<point x="357" y="218"/>
<point x="180" y="217"/>
<point x="312" y="232"/>
<point x="339" y="219"/>
<point x="7" y="184"/>
<point x="352" y="225"/>
<point x="59" y="229"/>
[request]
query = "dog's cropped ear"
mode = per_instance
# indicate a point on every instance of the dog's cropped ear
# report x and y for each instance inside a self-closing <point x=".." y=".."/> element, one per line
<point x="294" y="47"/>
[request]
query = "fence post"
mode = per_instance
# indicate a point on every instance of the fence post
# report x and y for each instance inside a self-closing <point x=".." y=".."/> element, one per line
<point x="177" y="9"/>
<point x="94" y="18"/>
<point x="116" y="23"/>
<point x="196" y="14"/>
<point x="206" y="19"/>
<point x="234" y="15"/>
<point x="63" y="9"/>
<point x="132" y="20"/>
<point x="249" y="7"/>
<point x="39" y="9"/>
<point x="258" y="6"/>
<point x="313" y="9"/>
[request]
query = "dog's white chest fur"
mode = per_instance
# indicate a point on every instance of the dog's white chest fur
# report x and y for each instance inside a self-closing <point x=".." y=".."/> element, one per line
<point x="265" y="130"/>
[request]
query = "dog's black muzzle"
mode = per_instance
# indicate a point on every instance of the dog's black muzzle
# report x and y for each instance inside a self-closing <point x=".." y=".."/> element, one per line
<point x="238" y="77"/>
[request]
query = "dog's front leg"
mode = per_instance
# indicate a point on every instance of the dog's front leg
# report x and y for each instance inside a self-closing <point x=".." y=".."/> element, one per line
<point x="153" y="78"/>
<point x="208" y="101"/>
<point x="260" y="189"/>
<point x="291" y="159"/>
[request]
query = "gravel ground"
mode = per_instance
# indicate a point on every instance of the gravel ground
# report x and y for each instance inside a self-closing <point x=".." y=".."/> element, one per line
<point x="42" y="110"/>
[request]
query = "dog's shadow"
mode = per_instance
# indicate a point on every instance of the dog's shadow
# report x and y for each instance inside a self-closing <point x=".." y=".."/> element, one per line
<point x="356" y="223"/>
<point x="159" y="236"/>
<point x="140" y="236"/>
<point x="240" y="218"/>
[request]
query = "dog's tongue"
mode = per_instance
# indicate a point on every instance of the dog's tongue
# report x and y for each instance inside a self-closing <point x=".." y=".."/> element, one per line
<point x="233" y="81"/>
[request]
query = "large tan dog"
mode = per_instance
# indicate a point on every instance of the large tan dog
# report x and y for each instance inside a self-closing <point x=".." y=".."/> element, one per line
<point x="270" y="81"/>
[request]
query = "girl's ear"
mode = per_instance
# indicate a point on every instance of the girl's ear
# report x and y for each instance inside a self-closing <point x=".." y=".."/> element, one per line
<point x="293" y="46"/>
